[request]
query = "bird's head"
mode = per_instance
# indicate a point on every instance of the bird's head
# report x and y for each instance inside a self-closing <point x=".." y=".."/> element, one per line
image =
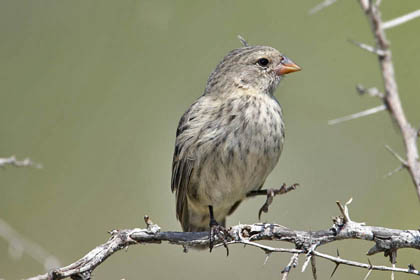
<point x="256" y="68"/>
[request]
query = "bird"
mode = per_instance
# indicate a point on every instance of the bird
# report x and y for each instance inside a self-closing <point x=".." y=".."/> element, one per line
<point x="230" y="139"/>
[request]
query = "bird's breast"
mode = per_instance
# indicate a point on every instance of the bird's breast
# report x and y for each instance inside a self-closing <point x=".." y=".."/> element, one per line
<point x="243" y="150"/>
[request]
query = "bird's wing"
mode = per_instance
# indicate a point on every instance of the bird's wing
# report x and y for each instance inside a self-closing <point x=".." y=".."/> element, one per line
<point x="183" y="163"/>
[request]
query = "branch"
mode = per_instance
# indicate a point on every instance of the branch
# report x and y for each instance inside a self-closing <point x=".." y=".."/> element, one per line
<point x="306" y="242"/>
<point x="391" y="98"/>
<point x="18" y="163"/>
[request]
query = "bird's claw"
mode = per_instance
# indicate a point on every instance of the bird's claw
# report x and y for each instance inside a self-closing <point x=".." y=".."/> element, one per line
<point x="221" y="233"/>
<point x="271" y="193"/>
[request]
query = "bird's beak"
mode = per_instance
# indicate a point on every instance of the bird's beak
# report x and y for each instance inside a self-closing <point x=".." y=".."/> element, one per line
<point x="287" y="66"/>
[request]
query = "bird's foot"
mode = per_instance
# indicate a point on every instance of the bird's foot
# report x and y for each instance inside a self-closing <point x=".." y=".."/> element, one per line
<point x="271" y="193"/>
<point x="221" y="233"/>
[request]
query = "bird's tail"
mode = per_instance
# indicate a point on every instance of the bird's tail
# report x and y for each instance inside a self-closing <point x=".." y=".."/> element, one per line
<point x="193" y="221"/>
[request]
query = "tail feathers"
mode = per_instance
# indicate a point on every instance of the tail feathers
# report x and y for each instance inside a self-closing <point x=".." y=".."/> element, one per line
<point x="192" y="221"/>
<point x="198" y="228"/>
<point x="196" y="222"/>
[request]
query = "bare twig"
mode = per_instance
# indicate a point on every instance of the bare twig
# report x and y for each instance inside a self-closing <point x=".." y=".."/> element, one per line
<point x="292" y="264"/>
<point x="306" y="241"/>
<point x="321" y="6"/>
<point x="400" y="20"/>
<point x="365" y="265"/>
<point x="392" y="172"/>
<point x="18" y="245"/>
<point x="391" y="98"/>
<point x="368" y="48"/>
<point x="367" y="274"/>
<point x="18" y="163"/>
<point x="243" y="41"/>
<point x="309" y="256"/>
<point x="365" y="113"/>
<point x="397" y="156"/>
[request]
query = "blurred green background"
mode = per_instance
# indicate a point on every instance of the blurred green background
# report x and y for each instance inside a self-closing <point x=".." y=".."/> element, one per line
<point x="93" y="90"/>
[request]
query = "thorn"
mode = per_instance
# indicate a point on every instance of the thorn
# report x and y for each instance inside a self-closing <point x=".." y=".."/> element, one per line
<point x="243" y="41"/>
<point x="397" y="156"/>
<point x="392" y="172"/>
<point x="267" y="256"/>
<point x="349" y="201"/>
<point x="367" y="275"/>
<point x="147" y="220"/>
<point x="309" y="256"/>
<point x="335" y="269"/>
<point x="306" y="263"/>
<point x="368" y="48"/>
<point x="338" y="253"/>
<point x="361" y="114"/>
<point x="370" y="263"/>
<point x="321" y="6"/>
<point x="345" y="210"/>
<point x="313" y="265"/>
<point x="400" y="20"/>
<point x="153" y="228"/>
<point x="411" y="267"/>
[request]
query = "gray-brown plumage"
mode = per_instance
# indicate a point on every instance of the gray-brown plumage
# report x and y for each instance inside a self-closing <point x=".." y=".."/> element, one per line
<point x="230" y="138"/>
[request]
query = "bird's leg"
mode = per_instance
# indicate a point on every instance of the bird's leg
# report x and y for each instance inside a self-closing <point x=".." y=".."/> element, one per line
<point x="216" y="229"/>
<point x="270" y="193"/>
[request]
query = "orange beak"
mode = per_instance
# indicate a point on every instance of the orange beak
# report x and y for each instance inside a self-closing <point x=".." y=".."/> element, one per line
<point x="287" y="66"/>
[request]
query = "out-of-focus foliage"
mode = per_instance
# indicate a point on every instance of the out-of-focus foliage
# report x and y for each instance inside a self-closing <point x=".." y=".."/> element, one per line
<point x="93" y="90"/>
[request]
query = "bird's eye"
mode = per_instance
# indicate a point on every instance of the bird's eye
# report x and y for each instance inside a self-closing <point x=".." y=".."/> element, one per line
<point x="263" y="62"/>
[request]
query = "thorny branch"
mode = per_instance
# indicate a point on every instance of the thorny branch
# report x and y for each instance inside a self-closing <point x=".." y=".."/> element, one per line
<point x="390" y="99"/>
<point x="306" y="242"/>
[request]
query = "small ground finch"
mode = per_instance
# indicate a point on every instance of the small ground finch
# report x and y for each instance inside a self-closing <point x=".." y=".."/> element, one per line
<point x="230" y="138"/>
